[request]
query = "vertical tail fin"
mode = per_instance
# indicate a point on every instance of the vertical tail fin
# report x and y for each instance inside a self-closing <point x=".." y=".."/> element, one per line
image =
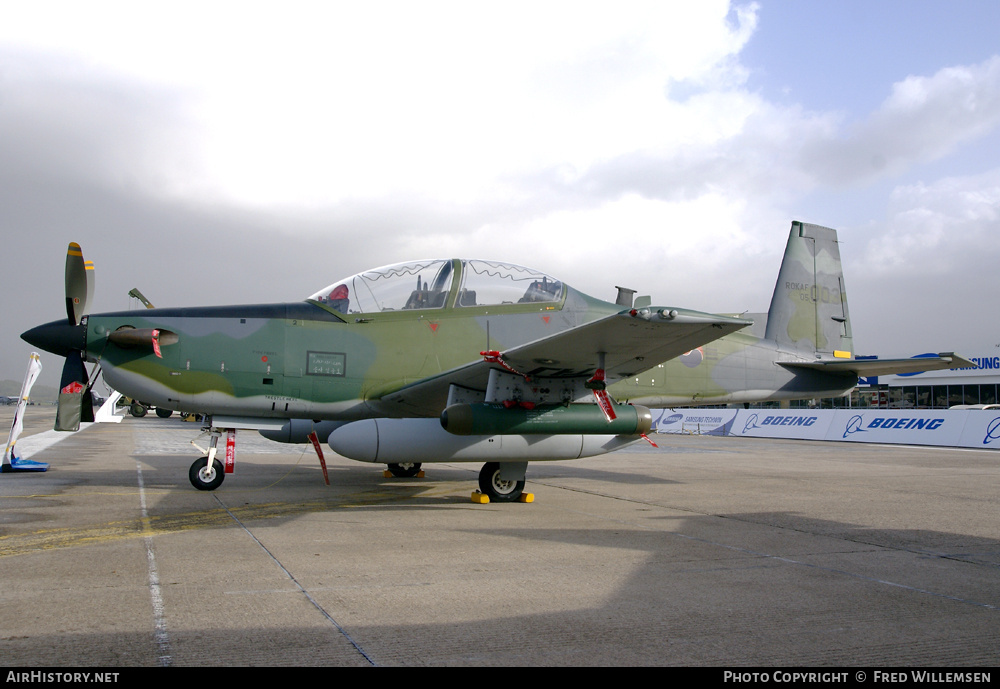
<point x="809" y="307"/>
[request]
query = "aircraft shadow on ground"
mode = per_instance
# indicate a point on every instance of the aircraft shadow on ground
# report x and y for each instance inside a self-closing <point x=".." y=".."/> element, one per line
<point x="661" y="597"/>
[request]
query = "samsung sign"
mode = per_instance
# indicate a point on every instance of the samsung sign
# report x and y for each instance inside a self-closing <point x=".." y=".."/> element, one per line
<point x="983" y="362"/>
<point x="988" y="365"/>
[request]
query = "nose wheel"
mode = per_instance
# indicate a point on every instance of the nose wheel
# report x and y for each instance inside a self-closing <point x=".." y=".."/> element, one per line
<point x="204" y="477"/>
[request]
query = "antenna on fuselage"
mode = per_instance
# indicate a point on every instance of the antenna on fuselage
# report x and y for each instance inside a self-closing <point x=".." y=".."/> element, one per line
<point x="136" y="294"/>
<point x="625" y="296"/>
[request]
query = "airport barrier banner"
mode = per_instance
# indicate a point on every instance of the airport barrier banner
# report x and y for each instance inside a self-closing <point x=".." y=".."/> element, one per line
<point x="694" y="421"/>
<point x="974" y="428"/>
<point x="803" y="424"/>
<point x="903" y="427"/>
<point x="982" y="429"/>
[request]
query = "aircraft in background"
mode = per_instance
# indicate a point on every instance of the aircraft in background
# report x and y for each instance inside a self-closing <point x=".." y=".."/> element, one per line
<point x="459" y="360"/>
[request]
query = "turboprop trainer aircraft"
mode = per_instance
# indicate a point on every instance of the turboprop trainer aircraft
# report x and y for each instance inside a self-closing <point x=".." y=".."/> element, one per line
<point x="455" y="360"/>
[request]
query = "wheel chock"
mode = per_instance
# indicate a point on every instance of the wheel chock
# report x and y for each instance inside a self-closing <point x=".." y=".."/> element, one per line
<point x="420" y="474"/>
<point x="483" y="499"/>
<point x="387" y="474"/>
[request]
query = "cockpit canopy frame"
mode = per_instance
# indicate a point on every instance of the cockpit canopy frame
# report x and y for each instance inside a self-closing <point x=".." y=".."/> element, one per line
<point x="439" y="284"/>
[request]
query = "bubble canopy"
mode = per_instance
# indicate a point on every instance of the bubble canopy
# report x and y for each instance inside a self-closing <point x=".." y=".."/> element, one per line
<point x="432" y="284"/>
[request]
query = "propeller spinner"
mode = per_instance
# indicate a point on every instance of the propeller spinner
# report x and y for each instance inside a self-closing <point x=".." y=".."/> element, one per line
<point x="75" y="401"/>
<point x="69" y="339"/>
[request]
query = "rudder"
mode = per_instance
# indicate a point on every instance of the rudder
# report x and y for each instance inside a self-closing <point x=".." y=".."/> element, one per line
<point x="809" y="306"/>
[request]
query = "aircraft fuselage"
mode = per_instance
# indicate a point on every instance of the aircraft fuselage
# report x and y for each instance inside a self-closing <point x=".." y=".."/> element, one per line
<point x="299" y="360"/>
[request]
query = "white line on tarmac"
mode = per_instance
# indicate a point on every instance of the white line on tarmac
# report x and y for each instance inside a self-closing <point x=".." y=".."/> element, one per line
<point x="159" y="621"/>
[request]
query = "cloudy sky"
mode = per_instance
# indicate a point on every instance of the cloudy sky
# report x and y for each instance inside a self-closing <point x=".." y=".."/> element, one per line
<point x="243" y="152"/>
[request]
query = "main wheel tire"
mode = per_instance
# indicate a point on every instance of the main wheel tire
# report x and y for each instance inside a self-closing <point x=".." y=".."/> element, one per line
<point x="496" y="488"/>
<point x="164" y="413"/>
<point x="204" y="478"/>
<point x="137" y="410"/>
<point x="405" y="470"/>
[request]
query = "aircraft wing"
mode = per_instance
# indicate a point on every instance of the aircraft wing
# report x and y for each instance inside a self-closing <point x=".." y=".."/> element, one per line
<point x="631" y="341"/>
<point x="865" y="368"/>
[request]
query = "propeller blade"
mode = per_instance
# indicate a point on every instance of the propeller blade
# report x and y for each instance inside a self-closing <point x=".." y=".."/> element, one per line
<point x="75" y="401"/>
<point x="89" y="268"/>
<point x="79" y="283"/>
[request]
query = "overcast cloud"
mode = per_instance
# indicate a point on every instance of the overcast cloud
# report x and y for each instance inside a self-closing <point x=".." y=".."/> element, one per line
<point x="252" y="152"/>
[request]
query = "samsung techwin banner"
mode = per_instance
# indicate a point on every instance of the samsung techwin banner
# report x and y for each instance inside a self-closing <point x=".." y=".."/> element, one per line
<point x="695" y="421"/>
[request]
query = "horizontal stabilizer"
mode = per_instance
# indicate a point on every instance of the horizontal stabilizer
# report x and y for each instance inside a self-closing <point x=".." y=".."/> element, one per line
<point x="865" y="368"/>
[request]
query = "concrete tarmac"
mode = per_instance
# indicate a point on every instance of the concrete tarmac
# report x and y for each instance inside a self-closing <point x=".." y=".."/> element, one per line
<point x="705" y="551"/>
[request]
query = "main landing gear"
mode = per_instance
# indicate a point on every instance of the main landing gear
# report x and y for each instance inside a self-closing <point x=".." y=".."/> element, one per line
<point x="498" y="482"/>
<point x="502" y="482"/>
<point x="405" y="470"/>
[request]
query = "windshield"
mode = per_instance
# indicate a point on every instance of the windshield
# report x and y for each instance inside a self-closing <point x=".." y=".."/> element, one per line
<point x="413" y="285"/>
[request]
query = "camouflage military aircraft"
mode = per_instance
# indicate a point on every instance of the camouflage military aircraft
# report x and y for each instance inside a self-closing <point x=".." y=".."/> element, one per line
<point x="455" y="360"/>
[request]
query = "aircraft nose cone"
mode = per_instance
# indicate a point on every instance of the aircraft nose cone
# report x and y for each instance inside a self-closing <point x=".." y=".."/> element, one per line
<point x="57" y="337"/>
